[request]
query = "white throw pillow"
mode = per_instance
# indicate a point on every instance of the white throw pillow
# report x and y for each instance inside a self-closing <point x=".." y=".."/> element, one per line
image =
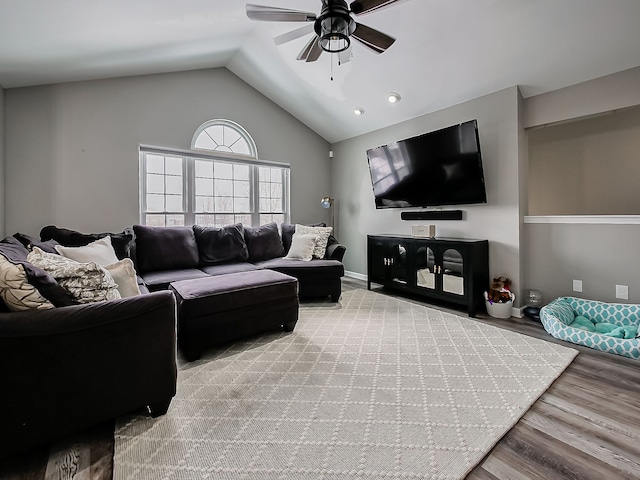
<point x="302" y="247"/>
<point x="16" y="291"/>
<point x="86" y="282"/>
<point x="101" y="252"/>
<point x="124" y="275"/>
<point x="322" y="237"/>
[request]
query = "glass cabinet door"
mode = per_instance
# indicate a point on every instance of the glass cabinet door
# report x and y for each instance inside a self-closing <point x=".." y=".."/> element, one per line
<point x="425" y="268"/>
<point x="397" y="262"/>
<point x="452" y="272"/>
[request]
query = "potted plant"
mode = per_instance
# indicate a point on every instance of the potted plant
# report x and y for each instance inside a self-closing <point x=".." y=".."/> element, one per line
<point x="499" y="298"/>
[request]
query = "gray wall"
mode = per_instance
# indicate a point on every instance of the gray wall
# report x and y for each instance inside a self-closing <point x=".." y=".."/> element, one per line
<point x="2" y="162"/>
<point x="72" y="148"/>
<point x="499" y="220"/>
<point x="586" y="167"/>
<point x="601" y="255"/>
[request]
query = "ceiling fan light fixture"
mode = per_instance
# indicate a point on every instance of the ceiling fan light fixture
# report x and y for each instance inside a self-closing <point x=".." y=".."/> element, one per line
<point x="393" y="97"/>
<point x="358" y="111"/>
<point x="333" y="26"/>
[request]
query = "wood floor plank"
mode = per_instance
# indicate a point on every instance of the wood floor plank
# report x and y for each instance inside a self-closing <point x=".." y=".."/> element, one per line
<point x="580" y="438"/>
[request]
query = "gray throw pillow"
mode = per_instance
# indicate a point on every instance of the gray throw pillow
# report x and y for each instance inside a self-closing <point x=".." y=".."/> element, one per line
<point x="165" y="248"/>
<point x="263" y="242"/>
<point x="221" y="244"/>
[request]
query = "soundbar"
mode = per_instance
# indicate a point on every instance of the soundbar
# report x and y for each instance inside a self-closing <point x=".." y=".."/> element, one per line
<point x="432" y="215"/>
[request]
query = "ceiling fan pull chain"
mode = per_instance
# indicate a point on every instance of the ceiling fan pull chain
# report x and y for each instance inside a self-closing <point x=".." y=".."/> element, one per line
<point x="331" y="62"/>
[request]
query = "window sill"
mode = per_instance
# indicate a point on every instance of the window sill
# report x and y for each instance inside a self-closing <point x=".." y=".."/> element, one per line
<point x="585" y="219"/>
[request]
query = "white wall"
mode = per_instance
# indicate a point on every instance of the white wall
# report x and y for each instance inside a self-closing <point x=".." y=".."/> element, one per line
<point x="498" y="221"/>
<point x="72" y="148"/>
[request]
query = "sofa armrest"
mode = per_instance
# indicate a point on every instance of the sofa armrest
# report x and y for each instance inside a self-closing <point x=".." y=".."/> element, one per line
<point x="335" y="251"/>
<point x="67" y="368"/>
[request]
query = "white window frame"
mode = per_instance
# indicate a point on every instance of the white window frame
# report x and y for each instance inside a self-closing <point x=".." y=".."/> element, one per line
<point x="226" y="124"/>
<point x="188" y="165"/>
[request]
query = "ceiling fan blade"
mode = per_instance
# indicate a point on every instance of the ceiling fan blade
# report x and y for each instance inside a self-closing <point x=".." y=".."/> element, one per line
<point x="315" y="51"/>
<point x="310" y="51"/>
<point x="366" y="6"/>
<point x="294" y="34"/>
<point x="275" y="14"/>
<point x="374" y="39"/>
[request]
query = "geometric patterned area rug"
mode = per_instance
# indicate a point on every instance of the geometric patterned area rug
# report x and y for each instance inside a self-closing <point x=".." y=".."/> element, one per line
<point x="374" y="387"/>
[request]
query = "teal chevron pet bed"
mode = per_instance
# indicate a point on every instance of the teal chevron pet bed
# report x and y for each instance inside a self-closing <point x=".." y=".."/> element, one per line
<point x="610" y="327"/>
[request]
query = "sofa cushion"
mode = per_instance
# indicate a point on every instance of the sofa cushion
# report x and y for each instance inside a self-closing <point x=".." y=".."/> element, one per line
<point x="165" y="248"/>
<point x="224" y="268"/>
<point x="16" y="253"/>
<point x="122" y="242"/>
<point x="221" y="244"/>
<point x="160" y="279"/>
<point x="197" y="298"/>
<point x="87" y="282"/>
<point x="99" y="251"/>
<point x="263" y="242"/>
<point x="313" y="270"/>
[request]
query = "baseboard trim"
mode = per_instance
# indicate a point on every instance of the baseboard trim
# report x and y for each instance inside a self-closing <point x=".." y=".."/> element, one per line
<point x="357" y="276"/>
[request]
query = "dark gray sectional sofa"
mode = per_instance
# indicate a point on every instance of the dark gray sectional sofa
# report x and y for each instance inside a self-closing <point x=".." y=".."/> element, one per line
<point x="168" y="254"/>
<point x="66" y="368"/>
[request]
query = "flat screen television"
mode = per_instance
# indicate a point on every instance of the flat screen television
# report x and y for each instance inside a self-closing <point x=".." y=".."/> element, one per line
<point x="443" y="167"/>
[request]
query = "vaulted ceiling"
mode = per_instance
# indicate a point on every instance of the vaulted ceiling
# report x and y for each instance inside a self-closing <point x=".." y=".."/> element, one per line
<point x="446" y="51"/>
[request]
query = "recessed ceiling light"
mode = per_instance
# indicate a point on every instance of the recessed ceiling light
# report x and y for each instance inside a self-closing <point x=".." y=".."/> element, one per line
<point x="393" y="97"/>
<point x="358" y="111"/>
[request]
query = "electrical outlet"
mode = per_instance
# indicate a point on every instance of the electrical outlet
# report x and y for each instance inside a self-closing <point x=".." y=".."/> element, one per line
<point x="577" y="285"/>
<point x="622" y="292"/>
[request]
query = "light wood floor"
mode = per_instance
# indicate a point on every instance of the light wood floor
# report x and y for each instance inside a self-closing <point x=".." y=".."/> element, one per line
<point x="586" y="426"/>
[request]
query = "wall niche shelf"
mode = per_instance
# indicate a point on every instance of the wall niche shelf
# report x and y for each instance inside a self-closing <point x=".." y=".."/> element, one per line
<point x="585" y="219"/>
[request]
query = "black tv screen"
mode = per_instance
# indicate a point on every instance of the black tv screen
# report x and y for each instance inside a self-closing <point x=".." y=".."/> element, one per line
<point x="443" y="167"/>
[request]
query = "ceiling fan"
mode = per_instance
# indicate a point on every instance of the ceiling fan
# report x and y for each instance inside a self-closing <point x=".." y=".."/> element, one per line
<point x="334" y="27"/>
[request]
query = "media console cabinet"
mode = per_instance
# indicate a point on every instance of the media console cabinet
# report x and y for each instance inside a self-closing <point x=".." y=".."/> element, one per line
<point x="450" y="269"/>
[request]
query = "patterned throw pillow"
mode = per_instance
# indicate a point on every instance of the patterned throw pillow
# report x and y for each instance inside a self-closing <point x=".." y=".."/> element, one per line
<point x="16" y="291"/>
<point x="322" y="237"/>
<point x="87" y="282"/>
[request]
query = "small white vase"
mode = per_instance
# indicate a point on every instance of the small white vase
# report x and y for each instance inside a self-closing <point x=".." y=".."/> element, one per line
<point x="499" y="310"/>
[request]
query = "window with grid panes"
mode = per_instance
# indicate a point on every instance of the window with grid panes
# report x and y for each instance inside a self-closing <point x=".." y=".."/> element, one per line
<point x="213" y="189"/>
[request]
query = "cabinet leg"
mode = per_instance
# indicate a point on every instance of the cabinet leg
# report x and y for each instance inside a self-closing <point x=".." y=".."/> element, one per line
<point x="472" y="311"/>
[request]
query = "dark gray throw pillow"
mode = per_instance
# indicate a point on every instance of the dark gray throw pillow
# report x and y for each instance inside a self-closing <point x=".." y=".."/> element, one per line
<point x="13" y="250"/>
<point x="263" y="242"/>
<point x="122" y="242"/>
<point x="165" y="248"/>
<point x="221" y="244"/>
<point x="29" y="242"/>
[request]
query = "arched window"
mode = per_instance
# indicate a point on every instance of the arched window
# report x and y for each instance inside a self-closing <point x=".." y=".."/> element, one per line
<point x="224" y="136"/>
<point x="218" y="182"/>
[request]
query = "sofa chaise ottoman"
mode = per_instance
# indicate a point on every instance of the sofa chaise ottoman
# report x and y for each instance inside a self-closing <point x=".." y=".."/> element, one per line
<point x="217" y="310"/>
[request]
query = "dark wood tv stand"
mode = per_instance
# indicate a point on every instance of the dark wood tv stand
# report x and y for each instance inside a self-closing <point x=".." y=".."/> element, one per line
<point x="449" y="269"/>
